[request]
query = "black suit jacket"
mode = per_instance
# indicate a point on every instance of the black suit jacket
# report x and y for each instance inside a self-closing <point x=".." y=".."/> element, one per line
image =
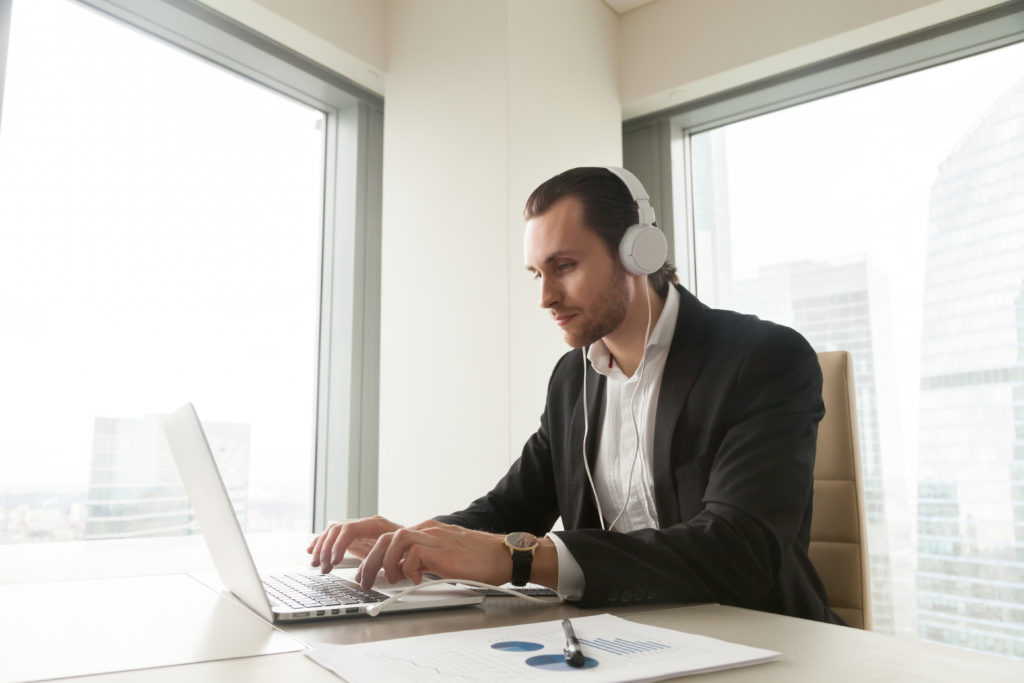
<point x="734" y="441"/>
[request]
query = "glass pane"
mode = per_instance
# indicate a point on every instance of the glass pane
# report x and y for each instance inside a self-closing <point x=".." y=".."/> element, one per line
<point x="160" y="231"/>
<point x="889" y="221"/>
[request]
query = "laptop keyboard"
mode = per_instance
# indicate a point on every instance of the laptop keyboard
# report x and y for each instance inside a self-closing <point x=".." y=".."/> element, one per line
<point x="317" y="590"/>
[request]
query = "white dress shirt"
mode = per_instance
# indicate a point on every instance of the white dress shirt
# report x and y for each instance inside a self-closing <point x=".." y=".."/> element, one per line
<point x="624" y="419"/>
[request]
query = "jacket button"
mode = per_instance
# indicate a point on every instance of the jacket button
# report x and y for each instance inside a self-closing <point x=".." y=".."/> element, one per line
<point x="626" y="595"/>
<point x="613" y="595"/>
<point x="639" y="595"/>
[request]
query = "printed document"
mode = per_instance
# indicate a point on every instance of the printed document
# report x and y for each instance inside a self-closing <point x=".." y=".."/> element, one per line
<point x="615" y="649"/>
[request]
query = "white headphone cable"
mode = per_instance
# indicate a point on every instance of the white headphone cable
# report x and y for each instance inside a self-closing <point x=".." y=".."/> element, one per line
<point x="375" y="609"/>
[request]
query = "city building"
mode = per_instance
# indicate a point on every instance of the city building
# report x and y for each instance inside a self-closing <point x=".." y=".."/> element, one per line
<point x="971" y="492"/>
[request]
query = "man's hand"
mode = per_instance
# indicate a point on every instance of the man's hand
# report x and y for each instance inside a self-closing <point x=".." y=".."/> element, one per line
<point x="357" y="536"/>
<point x="444" y="549"/>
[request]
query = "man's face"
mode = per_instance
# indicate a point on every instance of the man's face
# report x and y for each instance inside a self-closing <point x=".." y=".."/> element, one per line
<point x="582" y="285"/>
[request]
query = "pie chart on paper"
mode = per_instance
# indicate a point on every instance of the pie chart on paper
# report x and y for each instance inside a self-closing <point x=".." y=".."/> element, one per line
<point x="557" y="663"/>
<point x="516" y="646"/>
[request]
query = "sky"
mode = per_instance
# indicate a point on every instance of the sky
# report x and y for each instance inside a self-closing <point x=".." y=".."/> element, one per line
<point x="161" y="238"/>
<point x="862" y="164"/>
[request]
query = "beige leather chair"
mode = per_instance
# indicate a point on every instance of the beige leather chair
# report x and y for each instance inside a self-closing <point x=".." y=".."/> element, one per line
<point x="839" y="547"/>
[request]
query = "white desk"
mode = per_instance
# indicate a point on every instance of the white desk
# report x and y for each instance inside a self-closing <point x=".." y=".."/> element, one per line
<point x="810" y="651"/>
<point x="69" y="628"/>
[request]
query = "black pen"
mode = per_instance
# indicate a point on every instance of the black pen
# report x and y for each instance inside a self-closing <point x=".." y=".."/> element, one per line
<point x="573" y="653"/>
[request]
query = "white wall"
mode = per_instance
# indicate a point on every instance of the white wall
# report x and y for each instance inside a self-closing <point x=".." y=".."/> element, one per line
<point x="563" y="112"/>
<point x="674" y="51"/>
<point x="484" y="101"/>
<point x="444" y="323"/>
<point x="358" y="26"/>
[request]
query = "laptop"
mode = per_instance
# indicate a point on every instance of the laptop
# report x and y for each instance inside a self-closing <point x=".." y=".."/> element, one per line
<point x="278" y="595"/>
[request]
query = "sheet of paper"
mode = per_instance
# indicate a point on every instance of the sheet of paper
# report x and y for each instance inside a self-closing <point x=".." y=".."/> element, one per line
<point x="616" y="650"/>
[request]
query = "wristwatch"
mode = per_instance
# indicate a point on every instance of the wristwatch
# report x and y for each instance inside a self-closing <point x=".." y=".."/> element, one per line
<point x="521" y="545"/>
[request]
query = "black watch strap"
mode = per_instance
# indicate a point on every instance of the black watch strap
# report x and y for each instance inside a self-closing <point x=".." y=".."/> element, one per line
<point x="522" y="563"/>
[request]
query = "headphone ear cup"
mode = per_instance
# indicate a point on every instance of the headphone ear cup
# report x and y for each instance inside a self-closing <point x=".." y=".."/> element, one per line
<point x="643" y="249"/>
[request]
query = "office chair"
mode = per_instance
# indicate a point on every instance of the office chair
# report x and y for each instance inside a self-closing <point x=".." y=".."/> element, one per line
<point x="839" y="544"/>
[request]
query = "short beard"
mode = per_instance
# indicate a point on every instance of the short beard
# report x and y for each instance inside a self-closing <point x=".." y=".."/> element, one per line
<point x="612" y="307"/>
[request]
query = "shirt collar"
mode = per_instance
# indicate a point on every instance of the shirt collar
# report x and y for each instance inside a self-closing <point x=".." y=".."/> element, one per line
<point x="661" y="338"/>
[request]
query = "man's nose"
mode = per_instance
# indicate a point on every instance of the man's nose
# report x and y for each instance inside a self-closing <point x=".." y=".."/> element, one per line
<point x="550" y="293"/>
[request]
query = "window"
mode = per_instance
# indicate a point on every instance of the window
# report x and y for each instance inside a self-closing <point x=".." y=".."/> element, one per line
<point x="888" y="220"/>
<point x="170" y="230"/>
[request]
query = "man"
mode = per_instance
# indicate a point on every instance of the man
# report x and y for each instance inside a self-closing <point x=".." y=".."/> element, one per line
<point x="695" y="481"/>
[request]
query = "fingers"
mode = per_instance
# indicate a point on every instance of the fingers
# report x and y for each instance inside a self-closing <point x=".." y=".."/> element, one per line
<point x="412" y="565"/>
<point x="323" y="541"/>
<point x="392" y="552"/>
<point x="361" y="547"/>
<point x="328" y="549"/>
<point x="403" y="541"/>
<point x="334" y="549"/>
<point x="371" y="564"/>
<point x="445" y="550"/>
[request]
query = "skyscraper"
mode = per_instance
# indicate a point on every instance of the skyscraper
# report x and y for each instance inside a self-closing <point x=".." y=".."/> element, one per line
<point x="970" y="573"/>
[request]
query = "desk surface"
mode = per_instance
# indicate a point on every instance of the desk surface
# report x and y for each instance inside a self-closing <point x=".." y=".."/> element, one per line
<point x="70" y="628"/>
<point x="810" y="651"/>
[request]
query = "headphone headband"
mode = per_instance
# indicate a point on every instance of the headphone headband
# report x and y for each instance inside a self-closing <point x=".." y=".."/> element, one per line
<point x="643" y="201"/>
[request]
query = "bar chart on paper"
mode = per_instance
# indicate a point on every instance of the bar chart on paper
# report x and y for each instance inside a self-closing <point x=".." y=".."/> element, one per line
<point x="615" y="650"/>
<point x="621" y="646"/>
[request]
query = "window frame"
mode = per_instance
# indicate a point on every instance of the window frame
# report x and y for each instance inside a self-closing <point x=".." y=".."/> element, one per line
<point x="348" y="353"/>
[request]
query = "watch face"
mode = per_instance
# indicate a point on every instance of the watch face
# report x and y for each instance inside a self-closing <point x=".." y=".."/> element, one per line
<point x="521" y="540"/>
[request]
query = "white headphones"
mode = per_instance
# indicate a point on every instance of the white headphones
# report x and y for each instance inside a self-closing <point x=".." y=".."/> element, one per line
<point x="643" y="248"/>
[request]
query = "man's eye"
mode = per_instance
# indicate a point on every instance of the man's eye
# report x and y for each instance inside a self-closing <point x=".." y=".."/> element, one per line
<point x="562" y="267"/>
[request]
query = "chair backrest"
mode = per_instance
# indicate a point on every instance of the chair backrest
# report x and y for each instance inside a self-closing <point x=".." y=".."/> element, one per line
<point x="839" y="544"/>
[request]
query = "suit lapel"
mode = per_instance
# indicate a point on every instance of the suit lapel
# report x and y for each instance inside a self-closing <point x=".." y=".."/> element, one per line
<point x="585" y="507"/>
<point x="685" y="357"/>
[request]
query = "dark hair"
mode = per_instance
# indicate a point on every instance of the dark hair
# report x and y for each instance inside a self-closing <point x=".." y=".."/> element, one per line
<point x="608" y="209"/>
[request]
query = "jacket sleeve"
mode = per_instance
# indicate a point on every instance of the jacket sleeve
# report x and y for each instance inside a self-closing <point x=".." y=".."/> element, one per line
<point x="755" y="503"/>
